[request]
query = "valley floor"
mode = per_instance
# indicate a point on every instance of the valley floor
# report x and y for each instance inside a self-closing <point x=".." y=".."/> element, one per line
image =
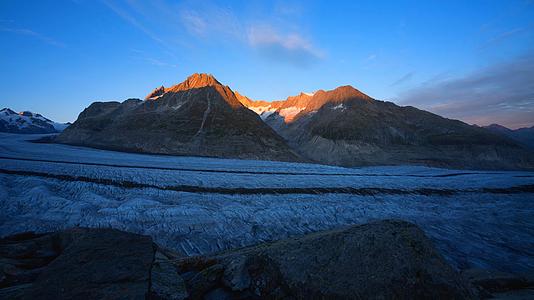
<point x="201" y="205"/>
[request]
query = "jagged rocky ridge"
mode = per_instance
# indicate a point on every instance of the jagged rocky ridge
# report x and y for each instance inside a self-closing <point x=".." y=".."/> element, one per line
<point x="27" y="122"/>
<point x="348" y="128"/>
<point x="199" y="116"/>
<point x="379" y="260"/>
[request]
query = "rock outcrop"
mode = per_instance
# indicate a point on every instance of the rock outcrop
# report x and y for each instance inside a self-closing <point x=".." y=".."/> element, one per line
<point x="386" y="259"/>
<point x="76" y="264"/>
<point x="380" y="260"/>
<point x="199" y="116"/>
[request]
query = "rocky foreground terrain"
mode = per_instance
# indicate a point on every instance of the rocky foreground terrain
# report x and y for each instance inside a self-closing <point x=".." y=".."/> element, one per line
<point x="380" y="260"/>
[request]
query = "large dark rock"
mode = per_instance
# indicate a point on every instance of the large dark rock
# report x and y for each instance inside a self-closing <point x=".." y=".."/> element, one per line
<point x="381" y="260"/>
<point x="165" y="281"/>
<point x="77" y="264"/>
<point x="500" y="285"/>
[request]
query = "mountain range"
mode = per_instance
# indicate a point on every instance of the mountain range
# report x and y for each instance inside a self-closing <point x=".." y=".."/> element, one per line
<point x="524" y="136"/>
<point x="345" y="127"/>
<point x="27" y="122"/>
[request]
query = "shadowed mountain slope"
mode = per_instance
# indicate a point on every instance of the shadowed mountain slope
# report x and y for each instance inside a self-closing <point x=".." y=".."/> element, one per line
<point x="346" y="127"/>
<point x="524" y="136"/>
<point x="199" y="116"/>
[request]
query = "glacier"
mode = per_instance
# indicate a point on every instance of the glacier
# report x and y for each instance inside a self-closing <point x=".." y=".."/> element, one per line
<point x="198" y="205"/>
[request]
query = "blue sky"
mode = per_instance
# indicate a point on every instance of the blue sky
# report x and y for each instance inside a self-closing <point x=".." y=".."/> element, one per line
<point x="472" y="60"/>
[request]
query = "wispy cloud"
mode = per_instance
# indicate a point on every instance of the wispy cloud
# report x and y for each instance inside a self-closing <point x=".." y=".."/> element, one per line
<point x="405" y="78"/>
<point x="501" y="93"/>
<point x="33" y="34"/>
<point x="503" y="36"/>
<point x="371" y="57"/>
<point x="194" y="23"/>
<point x="277" y="38"/>
<point x="274" y="42"/>
<point x="210" y="21"/>
<point x="287" y="8"/>
<point x="291" y="48"/>
<point x="124" y="14"/>
<point x="142" y="55"/>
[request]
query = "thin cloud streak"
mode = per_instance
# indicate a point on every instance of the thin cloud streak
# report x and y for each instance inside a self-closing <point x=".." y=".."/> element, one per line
<point x="133" y="21"/>
<point x="142" y="55"/>
<point x="503" y="36"/>
<point x="501" y="93"/>
<point x="31" y="33"/>
<point x="405" y="78"/>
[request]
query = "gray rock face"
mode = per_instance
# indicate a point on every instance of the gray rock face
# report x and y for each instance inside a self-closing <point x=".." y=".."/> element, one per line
<point x="490" y="281"/>
<point x="348" y="128"/>
<point x="381" y="260"/>
<point x="197" y="117"/>
<point x="166" y="283"/>
<point x="77" y="264"/>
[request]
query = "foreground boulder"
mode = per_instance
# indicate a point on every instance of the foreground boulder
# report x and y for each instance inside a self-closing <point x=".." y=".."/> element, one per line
<point x="76" y="264"/>
<point x="380" y="260"/>
<point x="501" y="285"/>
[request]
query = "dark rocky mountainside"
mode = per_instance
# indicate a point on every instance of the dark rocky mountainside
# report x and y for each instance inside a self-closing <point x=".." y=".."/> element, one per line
<point x="346" y="127"/>
<point x="524" y="136"/>
<point x="199" y="116"/>
<point x="380" y="260"/>
<point x="27" y="122"/>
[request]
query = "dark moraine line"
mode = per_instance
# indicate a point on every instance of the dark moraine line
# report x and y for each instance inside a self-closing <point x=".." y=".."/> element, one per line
<point x="235" y="171"/>
<point x="371" y="191"/>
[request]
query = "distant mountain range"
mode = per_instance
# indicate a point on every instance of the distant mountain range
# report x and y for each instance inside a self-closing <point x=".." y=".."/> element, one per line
<point x="524" y="136"/>
<point x="27" y="122"/>
<point x="200" y="116"/>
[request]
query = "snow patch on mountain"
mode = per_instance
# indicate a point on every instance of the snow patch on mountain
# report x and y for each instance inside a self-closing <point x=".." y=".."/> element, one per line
<point x="261" y="109"/>
<point x="339" y="106"/>
<point x="290" y="112"/>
